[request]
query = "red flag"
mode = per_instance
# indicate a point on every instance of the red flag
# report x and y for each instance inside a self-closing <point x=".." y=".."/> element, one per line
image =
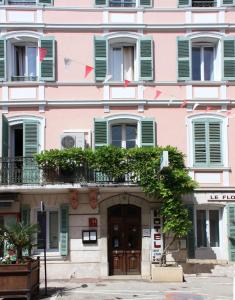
<point x="184" y="103"/>
<point x="88" y="70"/>
<point x="228" y="113"/>
<point x="158" y="93"/>
<point x="126" y="83"/>
<point x="42" y="53"/>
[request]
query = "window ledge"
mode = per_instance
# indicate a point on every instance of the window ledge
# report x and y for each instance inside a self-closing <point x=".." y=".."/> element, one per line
<point x="55" y="255"/>
<point x="23" y="83"/>
<point x="209" y="169"/>
<point x="206" y="83"/>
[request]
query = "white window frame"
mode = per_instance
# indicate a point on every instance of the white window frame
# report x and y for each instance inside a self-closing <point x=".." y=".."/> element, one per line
<point x="208" y="209"/>
<point x="190" y="141"/>
<point x="57" y="250"/>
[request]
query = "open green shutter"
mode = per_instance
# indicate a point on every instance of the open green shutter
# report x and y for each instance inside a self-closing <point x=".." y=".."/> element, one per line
<point x="146" y="58"/>
<point x="5" y="136"/>
<point x="148" y="132"/>
<point x="199" y="138"/>
<point x="100" y="58"/>
<point x="30" y="147"/>
<point x="45" y="2"/>
<point x="64" y="229"/>
<point x="101" y="2"/>
<point x="146" y="3"/>
<point x="231" y="231"/>
<point x="183" y="3"/>
<point x="183" y="47"/>
<point x="2" y="59"/>
<point x="228" y="2"/>
<point x="47" y="66"/>
<point x="229" y="59"/>
<point x="100" y="132"/>
<point x="191" y="236"/>
<point x="215" y="141"/>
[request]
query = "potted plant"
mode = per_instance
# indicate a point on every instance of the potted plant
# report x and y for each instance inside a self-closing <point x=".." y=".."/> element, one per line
<point x="19" y="273"/>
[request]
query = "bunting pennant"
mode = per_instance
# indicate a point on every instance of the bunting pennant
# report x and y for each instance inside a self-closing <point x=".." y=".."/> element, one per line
<point x="107" y="78"/>
<point x="88" y="70"/>
<point x="185" y="102"/>
<point x="157" y="94"/>
<point x="228" y="113"/>
<point x="126" y="83"/>
<point x="195" y="106"/>
<point x="42" y="53"/>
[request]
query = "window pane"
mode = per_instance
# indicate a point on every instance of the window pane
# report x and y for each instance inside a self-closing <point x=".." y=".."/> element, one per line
<point x="196" y="63"/>
<point x="32" y="57"/>
<point x="201" y="228"/>
<point x="116" y="64"/>
<point x="53" y="230"/>
<point x="42" y="227"/>
<point x="208" y="63"/>
<point x="117" y="135"/>
<point x="19" y="61"/>
<point x="131" y="133"/>
<point x="214" y="228"/>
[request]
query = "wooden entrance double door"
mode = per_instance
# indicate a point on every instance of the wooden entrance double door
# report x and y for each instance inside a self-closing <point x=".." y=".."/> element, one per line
<point x="124" y="239"/>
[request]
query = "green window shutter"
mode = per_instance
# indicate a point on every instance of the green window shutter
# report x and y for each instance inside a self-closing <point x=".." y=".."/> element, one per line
<point x="231" y="231"/>
<point x="64" y="229"/>
<point x="228" y="2"/>
<point x="30" y="138"/>
<point x="148" y="132"/>
<point x="229" y="59"/>
<point x="100" y="133"/>
<point x="183" y="3"/>
<point x="45" y="2"/>
<point x="199" y="135"/>
<point x="146" y="58"/>
<point x="191" y="235"/>
<point x="183" y="47"/>
<point x="47" y="66"/>
<point x="146" y="3"/>
<point x="2" y="59"/>
<point x="5" y="136"/>
<point x="100" y="58"/>
<point x="101" y="2"/>
<point x="25" y="214"/>
<point x="215" y="151"/>
<point x="207" y="142"/>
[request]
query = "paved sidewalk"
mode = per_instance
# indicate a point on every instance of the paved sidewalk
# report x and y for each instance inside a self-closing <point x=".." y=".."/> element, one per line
<point x="195" y="288"/>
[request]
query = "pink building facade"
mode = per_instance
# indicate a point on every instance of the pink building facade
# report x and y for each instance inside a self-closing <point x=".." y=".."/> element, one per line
<point x="162" y="73"/>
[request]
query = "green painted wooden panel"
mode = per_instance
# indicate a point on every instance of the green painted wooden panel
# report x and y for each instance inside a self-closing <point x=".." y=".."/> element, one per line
<point x="100" y="45"/>
<point x="45" y="2"/>
<point x="146" y="3"/>
<point x="100" y="130"/>
<point x="47" y="66"/>
<point x="30" y="137"/>
<point x="183" y="48"/>
<point x="100" y="2"/>
<point x="146" y="58"/>
<point x="231" y="231"/>
<point x="183" y="2"/>
<point x="229" y="59"/>
<point x="228" y="2"/>
<point x="2" y="59"/>
<point x="148" y="133"/>
<point x="25" y="214"/>
<point x="64" y="229"/>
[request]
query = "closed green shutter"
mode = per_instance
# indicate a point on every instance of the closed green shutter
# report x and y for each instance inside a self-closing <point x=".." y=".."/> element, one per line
<point x="100" y="58"/>
<point x="146" y="58"/>
<point x="229" y="59"/>
<point x="64" y="229"/>
<point x="207" y="142"/>
<point x="146" y="3"/>
<point x="228" y="2"/>
<point x="183" y="47"/>
<point x="47" y="66"/>
<point x="5" y="136"/>
<point x="231" y="231"/>
<point x="148" y="132"/>
<point x="100" y="2"/>
<point x="191" y="235"/>
<point x="2" y="59"/>
<point x="30" y="147"/>
<point x="100" y="132"/>
<point x="183" y="3"/>
<point x="45" y="2"/>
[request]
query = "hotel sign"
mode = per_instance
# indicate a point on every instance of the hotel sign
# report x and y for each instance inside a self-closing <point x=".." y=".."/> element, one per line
<point x="222" y="197"/>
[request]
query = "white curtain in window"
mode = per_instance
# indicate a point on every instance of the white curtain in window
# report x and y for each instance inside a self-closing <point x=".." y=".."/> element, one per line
<point x="128" y="61"/>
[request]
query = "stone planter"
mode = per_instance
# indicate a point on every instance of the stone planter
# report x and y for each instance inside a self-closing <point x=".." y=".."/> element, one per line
<point x="167" y="274"/>
<point x="20" y="280"/>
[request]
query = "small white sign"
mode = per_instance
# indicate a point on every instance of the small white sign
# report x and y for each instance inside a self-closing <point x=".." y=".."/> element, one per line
<point x="164" y="160"/>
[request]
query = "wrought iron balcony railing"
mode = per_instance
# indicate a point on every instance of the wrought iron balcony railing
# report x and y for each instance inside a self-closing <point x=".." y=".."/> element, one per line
<point x="122" y="3"/>
<point x="204" y="3"/>
<point x="24" y="78"/>
<point x="25" y="171"/>
<point x="21" y="2"/>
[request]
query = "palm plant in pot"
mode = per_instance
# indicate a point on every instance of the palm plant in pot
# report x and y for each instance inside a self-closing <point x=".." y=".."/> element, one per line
<point x="19" y="273"/>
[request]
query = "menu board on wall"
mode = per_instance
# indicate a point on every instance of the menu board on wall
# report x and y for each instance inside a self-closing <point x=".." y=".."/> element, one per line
<point x="156" y="235"/>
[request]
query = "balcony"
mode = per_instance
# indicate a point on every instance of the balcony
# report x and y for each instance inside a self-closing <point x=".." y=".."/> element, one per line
<point x="25" y="171"/>
<point x="203" y="3"/>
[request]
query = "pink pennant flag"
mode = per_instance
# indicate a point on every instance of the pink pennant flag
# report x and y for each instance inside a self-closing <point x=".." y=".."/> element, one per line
<point x="158" y="93"/>
<point x="88" y="70"/>
<point x="42" y="53"/>
<point x="228" y="113"/>
<point x="208" y="108"/>
<point x="184" y="104"/>
<point x="126" y="83"/>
